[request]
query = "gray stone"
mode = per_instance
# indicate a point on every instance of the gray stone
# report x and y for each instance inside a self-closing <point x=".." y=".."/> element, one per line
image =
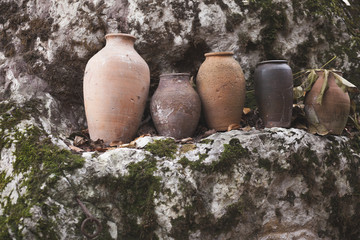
<point x="258" y="184"/>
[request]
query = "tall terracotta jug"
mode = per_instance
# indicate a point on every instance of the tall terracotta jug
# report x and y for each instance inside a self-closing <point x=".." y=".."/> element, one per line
<point x="175" y="106"/>
<point x="274" y="92"/>
<point x="221" y="86"/>
<point x="332" y="114"/>
<point x="116" y="86"/>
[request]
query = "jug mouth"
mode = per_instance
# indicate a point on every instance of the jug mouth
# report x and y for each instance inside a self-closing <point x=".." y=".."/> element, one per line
<point x="219" y="54"/>
<point x="272" y="61"/>
<point x="174" y="74"/>
<point x="124" y="35"/>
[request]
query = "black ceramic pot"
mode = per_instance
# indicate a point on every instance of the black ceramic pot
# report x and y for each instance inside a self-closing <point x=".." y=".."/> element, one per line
<point x="274" y="92"/>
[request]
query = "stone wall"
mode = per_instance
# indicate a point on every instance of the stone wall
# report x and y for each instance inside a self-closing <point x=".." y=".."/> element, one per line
<point x="257" y="184"/>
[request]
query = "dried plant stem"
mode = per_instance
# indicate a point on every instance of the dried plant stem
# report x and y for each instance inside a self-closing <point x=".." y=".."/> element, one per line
<point x="328" y="62"/>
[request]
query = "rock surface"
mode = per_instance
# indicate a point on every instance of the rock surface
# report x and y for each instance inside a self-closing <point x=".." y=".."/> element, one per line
<point x="269" y="184"/>
<point x="257" y="184"/>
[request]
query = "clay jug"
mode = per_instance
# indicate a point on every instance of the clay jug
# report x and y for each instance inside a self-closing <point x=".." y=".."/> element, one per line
<point x="116" y="86"/>
<point x="221" y="86"/>
<point x="333" y="112"/>
<point x="175" y="106"/>
<point x="274" y="92"/>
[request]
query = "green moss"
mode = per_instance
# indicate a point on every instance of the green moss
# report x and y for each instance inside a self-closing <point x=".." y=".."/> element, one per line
<point x="250" y="100"/>
<point x="243" y="40"/>
<point x="344" y="215"/>
<point x="328" y="185"/>
<point x="327" y="15"/>
<point x="65" y="76"/>
<point x="207" y="141"/>
<point x="38" y="28"/>
<point x="332" y="157"/>
<point x="4" y="180"/>
<point x="162" y="148"/>
<point x="233" y="152"/>
<point x="205" y="222"/>
<point x="274" y="16"/>
<point x="181" y="10"/>
<point x="264" y="163"/>
<point x="247" y="176"/>
<point x="10" y="50"/>
<point x="11" y="115"/>
<point x="352" y="174"/>
<point x="234" y="213"/>
<point x="134" y="194"/>
<point x="187" y="147"/>
<point x="41" y="163"/>
<point x="304" y="162"/>
<point x="308" y="197"/>
<point x="300" y="59"/>
<point x="32" y="150"/>
<point x="232" y="21"/>
<point x="11" y="18"/>
<point x="38" y="160"/>
<point x="202" y="156"/>
<point x="194" y="165"/>
<point x="289" y="197"/>
<point x="184" y="161"/>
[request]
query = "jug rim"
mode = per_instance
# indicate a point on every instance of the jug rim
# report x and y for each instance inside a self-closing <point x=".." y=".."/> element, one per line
<point x="174" y="74"/>
<point x="272" y="61"/>
<point x="219" y="54"/>
<point x="120" y="35"/>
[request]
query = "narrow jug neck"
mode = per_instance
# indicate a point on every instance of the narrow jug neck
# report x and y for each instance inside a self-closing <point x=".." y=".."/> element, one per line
<point x="114" y="39"/>
<point x="174" y="77"/>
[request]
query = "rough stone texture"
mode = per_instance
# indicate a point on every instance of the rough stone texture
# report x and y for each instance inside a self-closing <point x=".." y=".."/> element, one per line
<point x="270" y="184"/>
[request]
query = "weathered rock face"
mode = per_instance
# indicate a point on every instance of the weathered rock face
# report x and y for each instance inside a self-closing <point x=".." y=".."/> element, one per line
<point x="45" y="44"/>
<point x="269" y="184"/>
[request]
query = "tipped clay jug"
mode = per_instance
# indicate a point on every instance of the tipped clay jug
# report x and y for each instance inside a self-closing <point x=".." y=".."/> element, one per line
<point x="332" y="114"/>
<point x="175" y="106"/>
<point x="221" y="85"/>
<point x="116" y="86"/>
<point x="274" y="92"/>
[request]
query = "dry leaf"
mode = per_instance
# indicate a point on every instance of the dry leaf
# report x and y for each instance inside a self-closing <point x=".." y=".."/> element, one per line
<point x="233" y="126"/>
<point x="299" y="105"/>
<point x="100" y="149"/>
<point x="208" y="133"/>
<point x="246" y="129"/>
<point x="78" y="141"/>
<point x="344" y="84"/>
<point x="128" y="145"/>
<point x="315" y="126"/>
<point x="186" y="140"/>
<point x="144" y="135"/>
<point x="246" y="110"/>
<point x="115" y="143"/>
<point x="324" y="87"/>
<point x="76" y="149"/>
<point x="298" y="92"/>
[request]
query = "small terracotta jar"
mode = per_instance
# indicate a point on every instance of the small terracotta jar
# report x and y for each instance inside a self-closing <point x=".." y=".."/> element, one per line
<point x="274" y="92"/>
<point x="221" y="85"/>
<point x="334" y="110"/>
<point x="116" y="86"/>
<point x="175" y="106"/>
